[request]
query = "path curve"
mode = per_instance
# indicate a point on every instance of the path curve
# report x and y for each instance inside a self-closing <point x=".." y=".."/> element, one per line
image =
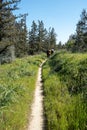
<point x="37" y="116"/>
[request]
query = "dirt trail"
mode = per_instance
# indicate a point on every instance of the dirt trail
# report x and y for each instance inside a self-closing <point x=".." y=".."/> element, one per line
<point x="37" y="117"/>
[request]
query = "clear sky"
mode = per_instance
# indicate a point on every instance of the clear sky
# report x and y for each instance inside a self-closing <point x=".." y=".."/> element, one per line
<point x="63" y="15"/>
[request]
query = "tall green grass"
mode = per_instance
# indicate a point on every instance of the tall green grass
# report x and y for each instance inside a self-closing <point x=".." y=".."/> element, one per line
<point x="17" y="84"/>
<point x="65" y="91"/>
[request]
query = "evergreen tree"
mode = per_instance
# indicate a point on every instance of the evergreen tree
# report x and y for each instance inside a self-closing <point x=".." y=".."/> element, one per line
<point x="33" y="38"/>
<point x="40" y="39"/>
<point x="21" y="44"/>
<point x="59" y="46"/>
<point x="81" y="40"/>
<point x="41" y="35"/>
<point x="78" y="41"/>
<point x="52" y="38"/>
<point x="7" y="18"/>
<point x="7" y="26"/>
<point x="70" y="45"/>
<point x="45" y="43"/>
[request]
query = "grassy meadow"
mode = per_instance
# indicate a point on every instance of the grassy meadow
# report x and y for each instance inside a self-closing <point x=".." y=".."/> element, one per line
<point x="17" y="85"/>
<point x="65" y="91"/>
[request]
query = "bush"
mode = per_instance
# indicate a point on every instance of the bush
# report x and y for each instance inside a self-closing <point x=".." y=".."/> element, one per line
<point x="65" y="83"/>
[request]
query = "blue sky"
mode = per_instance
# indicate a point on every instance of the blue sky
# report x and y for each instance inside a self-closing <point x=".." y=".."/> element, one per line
<point x="63" y="15"/>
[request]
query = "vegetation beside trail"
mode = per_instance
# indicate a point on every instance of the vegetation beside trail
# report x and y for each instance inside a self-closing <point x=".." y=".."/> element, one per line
<point x="65" y="91"/>
<point x="17" y="84"/>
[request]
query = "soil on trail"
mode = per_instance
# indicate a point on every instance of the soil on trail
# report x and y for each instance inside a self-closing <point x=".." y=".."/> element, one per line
<point x="37" y="116"/>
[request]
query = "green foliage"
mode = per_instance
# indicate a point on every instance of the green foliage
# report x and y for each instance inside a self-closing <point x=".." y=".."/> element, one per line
<point x="40" y="39"/>
<point x="78" y="41"/>
<point x="65" y="90"/>
<point x="17" y="84"/>
<point x="21" y="46"/>
<point x="7" y="20"/>
<point x="13" y="32"/>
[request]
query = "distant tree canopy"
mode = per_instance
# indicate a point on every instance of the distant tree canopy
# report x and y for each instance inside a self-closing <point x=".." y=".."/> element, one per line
<point x="60" y="46"/>
<point x="78" y="41"/>
<point x="14" y="36"/>
<point x="40" y="39"/>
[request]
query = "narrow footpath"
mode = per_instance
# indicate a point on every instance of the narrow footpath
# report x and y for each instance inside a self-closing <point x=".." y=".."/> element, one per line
<point x="37" y="116"/>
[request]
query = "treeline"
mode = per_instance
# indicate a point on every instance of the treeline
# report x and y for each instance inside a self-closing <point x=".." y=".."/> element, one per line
<point x="13" y="31"/>
<point x="15" y="39"/>
<point x="78" y="42"/>
<point x="41" y="39"/>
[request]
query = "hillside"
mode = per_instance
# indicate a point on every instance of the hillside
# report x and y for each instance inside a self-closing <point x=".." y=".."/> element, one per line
<point x="65" y="91"/>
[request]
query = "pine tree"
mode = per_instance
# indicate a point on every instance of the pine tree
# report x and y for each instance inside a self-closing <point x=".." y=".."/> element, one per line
<point x="70" y="45"/>
<point x="52" y="38"/>
<point x="41" y="36"/>
<point x="7" y="18"/>
<point x="33" y="38"/>
<point x="81" y="40"/>
<point x="7" y="23"/>
<point x="7" y="28"/>
<point x="40" y="39"/>
<point x="78" y="41"/>
<point x="21" y="44"/>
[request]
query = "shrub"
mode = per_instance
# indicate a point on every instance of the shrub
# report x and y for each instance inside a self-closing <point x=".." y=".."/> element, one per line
<point x="65" y="83"/>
